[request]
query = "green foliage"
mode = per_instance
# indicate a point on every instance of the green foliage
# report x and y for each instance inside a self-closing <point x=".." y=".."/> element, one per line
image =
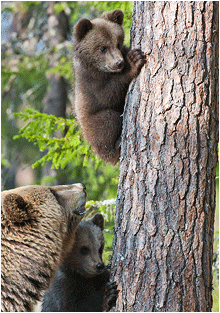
<point x="215" y="273"/>
<point x="41" y="129"/>
<point x="93" y="9"/>
<point x="4" y="162"/>
<point x="125" y="6"/>
<point x="107" y="209"/>
<point x="101" y="182"/>
<point x="63" y="68"/>
<point x="25" y="5"/>
<point x="69" y="152"/>
<point x="25" y="74"/>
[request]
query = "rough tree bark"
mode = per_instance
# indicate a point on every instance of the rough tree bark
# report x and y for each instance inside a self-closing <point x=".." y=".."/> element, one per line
<point x="162" y="259"/>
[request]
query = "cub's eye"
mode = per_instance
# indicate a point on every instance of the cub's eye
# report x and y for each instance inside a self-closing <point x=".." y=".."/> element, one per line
<point x="84" y="250"/>
<point x="103" y="49"/>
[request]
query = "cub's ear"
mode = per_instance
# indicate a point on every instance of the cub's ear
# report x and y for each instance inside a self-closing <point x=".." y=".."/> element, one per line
<point x="16" y="210"/>
<point x="82" y="28"/>
<point x="98" y="220"/>
<point x="115" y="16"/>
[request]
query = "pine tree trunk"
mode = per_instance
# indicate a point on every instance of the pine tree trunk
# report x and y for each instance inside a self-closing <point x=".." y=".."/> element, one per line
<point x="163" y="243"/>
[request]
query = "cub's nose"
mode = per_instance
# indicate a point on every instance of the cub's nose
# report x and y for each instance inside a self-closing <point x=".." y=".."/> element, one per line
<point x="100" y="266"/>
<point x="120" y="64"/>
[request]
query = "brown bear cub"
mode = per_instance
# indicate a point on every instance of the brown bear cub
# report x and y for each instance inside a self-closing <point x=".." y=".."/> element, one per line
<point x="82" y="281"/>
<point x="38" y="226"/>
<point x="104" y="68"/>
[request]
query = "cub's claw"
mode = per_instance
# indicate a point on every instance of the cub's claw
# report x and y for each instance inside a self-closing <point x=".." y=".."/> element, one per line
<point x="110" y="297"/>
<point x="136" y="55"/>
<point x="136" y="59"/>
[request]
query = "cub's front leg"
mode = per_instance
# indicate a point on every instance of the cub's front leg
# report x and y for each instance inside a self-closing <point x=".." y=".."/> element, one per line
<point x="110" y="296"/>
<point x="135" y="60"/>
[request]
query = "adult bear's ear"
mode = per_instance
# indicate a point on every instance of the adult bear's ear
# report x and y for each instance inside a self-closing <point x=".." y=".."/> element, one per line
<point x="82" y="28"/>
<point x="16" y="209"/>
<point x="98" y="220"/>
<point x="115" y="16"/>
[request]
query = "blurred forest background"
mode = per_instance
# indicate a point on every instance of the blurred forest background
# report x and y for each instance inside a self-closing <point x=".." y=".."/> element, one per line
<point x="42" y="144"/>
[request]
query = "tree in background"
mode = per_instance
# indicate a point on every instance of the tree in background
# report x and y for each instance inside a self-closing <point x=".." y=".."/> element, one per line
<point x="23" y="74"/>
<point x="55" y="98"/>
<point x="164" y="225"/>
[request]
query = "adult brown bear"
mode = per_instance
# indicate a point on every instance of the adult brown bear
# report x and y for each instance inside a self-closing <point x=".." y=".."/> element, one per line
<point x="38" y="227"/>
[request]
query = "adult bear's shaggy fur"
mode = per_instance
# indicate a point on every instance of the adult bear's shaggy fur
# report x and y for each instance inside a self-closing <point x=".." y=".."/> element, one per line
<point x="38" y="227"/>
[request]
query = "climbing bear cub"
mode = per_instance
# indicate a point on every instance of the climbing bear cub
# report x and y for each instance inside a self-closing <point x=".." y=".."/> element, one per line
<point x="104" y="68"/>
<point x="82" y="281"/>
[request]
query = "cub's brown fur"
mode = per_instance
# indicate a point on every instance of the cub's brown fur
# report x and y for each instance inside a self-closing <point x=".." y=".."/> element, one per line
<point x="104" y="69"/>
<point x="38" y="227"/>
<point x="81" y="283"/>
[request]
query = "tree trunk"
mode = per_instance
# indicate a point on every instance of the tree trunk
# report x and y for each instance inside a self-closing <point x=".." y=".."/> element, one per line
<point x="56" y="96"/>
<point x="163" y="243"/>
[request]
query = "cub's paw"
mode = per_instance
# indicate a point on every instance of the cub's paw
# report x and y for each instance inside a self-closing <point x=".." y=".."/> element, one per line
<point x="136" y="58"/>
<point x="110" y="296"/>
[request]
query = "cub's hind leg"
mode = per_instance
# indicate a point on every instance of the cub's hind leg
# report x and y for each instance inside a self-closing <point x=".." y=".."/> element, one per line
<point x="103" y="132"/>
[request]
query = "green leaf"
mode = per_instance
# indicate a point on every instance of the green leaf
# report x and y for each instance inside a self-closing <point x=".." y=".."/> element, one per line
<point x="41" y="128"/>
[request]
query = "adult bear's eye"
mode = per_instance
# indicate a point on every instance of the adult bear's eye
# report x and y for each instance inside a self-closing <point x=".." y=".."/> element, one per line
<point x="103" y="49"/>
<point x="84" y="250"/>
